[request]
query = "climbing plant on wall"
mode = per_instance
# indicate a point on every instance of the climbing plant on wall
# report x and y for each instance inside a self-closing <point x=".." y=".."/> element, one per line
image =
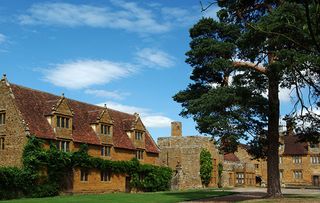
<point x="205" y="167"/>
<point x="44" y="170"/>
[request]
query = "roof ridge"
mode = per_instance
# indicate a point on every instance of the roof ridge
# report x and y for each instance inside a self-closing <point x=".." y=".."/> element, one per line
<point x="93" y="105"/>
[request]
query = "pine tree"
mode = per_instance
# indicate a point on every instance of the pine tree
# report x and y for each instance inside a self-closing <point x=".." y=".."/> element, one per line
<point x="239" y="63"/>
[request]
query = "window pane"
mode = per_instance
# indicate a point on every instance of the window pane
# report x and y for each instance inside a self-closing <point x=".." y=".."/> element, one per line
<point x="67" y="122"/>
<point x="58" y="121"/>
<point x="67" y="147"/>
<point x="62" y="122"/>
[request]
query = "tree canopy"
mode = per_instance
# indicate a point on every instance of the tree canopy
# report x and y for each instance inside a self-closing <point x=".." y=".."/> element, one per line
<point x="240" y="62"/>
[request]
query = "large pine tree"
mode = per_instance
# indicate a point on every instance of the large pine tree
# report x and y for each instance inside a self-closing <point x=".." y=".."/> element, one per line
<point x="255" y="48"/>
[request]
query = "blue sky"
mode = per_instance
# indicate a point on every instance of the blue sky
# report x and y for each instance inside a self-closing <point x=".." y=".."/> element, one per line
<point x="126" y="54"/>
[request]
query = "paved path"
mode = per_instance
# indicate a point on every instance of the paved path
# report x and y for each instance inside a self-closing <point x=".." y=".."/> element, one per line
<point x="254" y="193"/>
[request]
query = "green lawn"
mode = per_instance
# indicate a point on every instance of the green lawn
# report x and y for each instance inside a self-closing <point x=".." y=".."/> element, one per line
<point x="289" y="198"/>
<point x="155" y="197"/>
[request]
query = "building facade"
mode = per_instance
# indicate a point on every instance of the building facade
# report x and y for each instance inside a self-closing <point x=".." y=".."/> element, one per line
<point x="299" y="162"/>
<point x="182" y="154"/>
<point x="109" y="134"/>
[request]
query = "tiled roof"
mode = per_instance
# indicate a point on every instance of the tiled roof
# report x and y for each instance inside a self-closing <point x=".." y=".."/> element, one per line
<point x="231" y="157"/>
<point x="293" y="147"/>
<point x="34" y="105"/>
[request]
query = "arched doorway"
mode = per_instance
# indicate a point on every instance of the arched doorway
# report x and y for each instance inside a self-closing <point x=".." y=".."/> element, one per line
<point x="258" y="180"/>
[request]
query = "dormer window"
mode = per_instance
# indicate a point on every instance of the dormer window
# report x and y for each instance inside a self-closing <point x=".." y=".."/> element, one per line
<point x="138" y="135"/>
<point x="105" y="129"/>
<point x="2" y="118"/>
<point x="63" y="122"/>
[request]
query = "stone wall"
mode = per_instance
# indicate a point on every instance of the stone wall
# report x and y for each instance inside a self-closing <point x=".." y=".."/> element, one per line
<point x="184" y="153"/>
<point x="13" y="131"/>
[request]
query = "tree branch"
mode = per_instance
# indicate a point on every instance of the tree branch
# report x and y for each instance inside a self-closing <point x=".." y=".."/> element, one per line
<point x="253" y="66"/>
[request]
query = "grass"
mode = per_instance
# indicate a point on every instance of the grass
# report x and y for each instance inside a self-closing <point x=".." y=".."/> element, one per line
<point x="152" y="197"/>
<point x="289" y="198"/>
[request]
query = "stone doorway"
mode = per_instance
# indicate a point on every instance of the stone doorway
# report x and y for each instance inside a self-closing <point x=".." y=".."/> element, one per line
<point x="315" y="181"/>
<point x="128" y="187"/>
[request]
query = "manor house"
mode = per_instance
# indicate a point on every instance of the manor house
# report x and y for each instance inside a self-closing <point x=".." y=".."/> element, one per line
<point x="109" y="134"/>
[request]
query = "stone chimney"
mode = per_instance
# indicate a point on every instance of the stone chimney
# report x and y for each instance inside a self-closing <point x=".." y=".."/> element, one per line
<point x="176" y="128"/>
<point x="289" y="125"/>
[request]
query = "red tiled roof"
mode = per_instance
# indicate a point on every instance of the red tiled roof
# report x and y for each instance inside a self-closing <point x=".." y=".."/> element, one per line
<point x="34" y="105"/>
<point x="150" y="145"/>
<point x="231" y="157"/>
<point x="293" y="147"/>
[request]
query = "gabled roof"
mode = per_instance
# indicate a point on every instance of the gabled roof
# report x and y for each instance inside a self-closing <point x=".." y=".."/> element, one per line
<point x="34" y="105"/>
<point x="231" y="157"/>
<point x="293" y="147"/>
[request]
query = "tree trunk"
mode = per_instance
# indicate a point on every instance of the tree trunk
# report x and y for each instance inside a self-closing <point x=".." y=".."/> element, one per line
<point x="274" y="187"/>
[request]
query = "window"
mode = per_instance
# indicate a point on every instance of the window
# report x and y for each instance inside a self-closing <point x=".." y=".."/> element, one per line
<point x="105" y="176"/>
<point x="84" y="175"/>
<point x="297" y="159"/>
<point x="240" y="178"/>
<point x="62" y="122"/>
<point x="139" y="154"/>
<point x="297" y="174"/>
<point x="105" y="129"/>
<point x="2" y="143"/>
<point x="138" y="135"/>
<point x="63" y="145"/>
<point x="256" y="166"/>
<point x="2" y="118"/>
<point x="106" y="151"/>
<point x="315" y="159"/>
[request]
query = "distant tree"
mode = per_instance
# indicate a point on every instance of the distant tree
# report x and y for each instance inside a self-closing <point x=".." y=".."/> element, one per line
<point x="220" y="171"/>
<point x="239" y="63"/>
<point x="205" y="167"/>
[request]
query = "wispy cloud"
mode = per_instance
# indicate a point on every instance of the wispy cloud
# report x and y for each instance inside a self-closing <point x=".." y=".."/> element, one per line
<point x="149" y="118"/>
<point x="3" y="38"/>
<point x="107" y="94"/>
<point x="126" y="15"/>
<point x="130" y="16"/>
<point x="85" y="73"/>
<point x="154" y="58"/>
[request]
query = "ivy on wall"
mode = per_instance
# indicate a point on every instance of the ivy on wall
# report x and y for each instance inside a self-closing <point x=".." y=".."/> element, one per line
<point x="44" y="171"/>
<point x="205" y="167"/>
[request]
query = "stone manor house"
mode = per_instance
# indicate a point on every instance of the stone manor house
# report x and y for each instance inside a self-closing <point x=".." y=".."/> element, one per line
<point x="110" y="134"/>
<point x="116" y="135"/>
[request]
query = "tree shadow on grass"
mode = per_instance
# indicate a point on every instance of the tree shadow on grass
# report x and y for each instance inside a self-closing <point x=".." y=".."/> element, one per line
<point x="198" y="194"/>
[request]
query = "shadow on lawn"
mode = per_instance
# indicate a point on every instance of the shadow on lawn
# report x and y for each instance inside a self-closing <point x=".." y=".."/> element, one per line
<point x="199" y="194"/>
<point x="302" y="196"/>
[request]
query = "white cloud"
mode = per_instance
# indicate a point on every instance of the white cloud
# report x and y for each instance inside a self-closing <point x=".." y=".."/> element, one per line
<point x="125" y="108"/>
<point x="156" y="121"/>
<point x="3" y="38"/>
<point x="154" y="58"/>
<point x="123" y="15"/>
<point x="150" y="119"/>
<point x="85" y="73"/>
<point x="107" y="94"/>
<point x="181" y="16"/>
<point x="286" y="95"/>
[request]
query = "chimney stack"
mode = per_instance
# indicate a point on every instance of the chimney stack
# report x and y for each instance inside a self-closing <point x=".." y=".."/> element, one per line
<point x="176" y="129"/>
<point x="289" y="125"/>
